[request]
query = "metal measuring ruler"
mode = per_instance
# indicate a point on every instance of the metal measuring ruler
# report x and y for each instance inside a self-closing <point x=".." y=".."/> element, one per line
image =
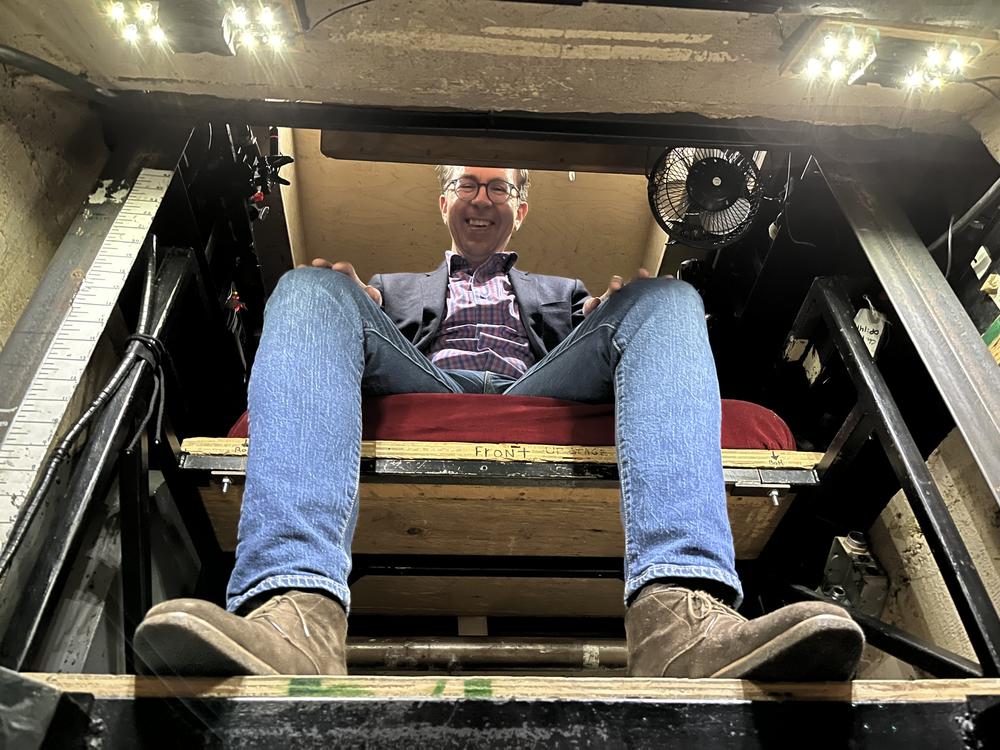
<point x="30" y="432"/>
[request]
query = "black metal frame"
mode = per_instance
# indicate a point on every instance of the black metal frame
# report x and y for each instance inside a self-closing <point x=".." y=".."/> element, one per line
<point x="937" y="325"/>
<point x="827" y="306"/>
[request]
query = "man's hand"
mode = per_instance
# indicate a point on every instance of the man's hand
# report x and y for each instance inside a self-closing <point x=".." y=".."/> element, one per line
<point x="616" y="284"/>
<point x="348" y="270"/>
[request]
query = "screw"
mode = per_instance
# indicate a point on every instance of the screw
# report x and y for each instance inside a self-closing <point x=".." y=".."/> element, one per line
<point x="226" y="482"/>
<point x="774" y="497"/>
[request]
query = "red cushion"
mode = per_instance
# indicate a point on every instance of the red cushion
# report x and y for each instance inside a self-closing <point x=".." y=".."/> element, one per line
<point x="480" y="418"/>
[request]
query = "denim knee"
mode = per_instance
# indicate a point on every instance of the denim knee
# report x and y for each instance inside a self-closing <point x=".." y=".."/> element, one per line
<point x="306" y="291"/>
<point x="650" y="297"/>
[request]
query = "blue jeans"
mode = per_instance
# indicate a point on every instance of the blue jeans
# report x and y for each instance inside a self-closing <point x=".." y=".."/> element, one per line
<point x="326" y="343"/>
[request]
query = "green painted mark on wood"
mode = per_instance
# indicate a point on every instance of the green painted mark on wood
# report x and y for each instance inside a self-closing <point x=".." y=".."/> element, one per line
<point x="313" y="687"/>
<point x="993" y="332"/>
<point x="438" y="688"/>
<point x="478" y="688"/>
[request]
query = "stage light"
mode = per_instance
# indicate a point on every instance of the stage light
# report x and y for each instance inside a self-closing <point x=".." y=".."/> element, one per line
<point x="914" y="79"/>
<point x="956" y="61"/>
<point x="855" y="48"/>
<point x="239" y="16"/>
<point x="831" y="45"/>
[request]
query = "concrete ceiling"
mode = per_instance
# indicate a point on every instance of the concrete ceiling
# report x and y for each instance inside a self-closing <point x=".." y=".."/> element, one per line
<point x="485" y="54"/>
<point x="493" y="55"/>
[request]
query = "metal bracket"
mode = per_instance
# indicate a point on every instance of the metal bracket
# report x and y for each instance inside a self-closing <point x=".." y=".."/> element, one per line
<point x="853" y="576"/>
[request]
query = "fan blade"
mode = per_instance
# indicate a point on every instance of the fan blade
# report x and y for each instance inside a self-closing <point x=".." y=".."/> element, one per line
<point x="727" y="220"/>
<point x="739" y="211"/>
<point x="674" y="210"/>
<point x="712" y="222"/>
<point x="678" y="171"/>
<point x="686" y="156"/>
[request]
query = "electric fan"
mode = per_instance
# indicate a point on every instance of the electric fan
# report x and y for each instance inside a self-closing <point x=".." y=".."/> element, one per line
<point x="704" y="197"/>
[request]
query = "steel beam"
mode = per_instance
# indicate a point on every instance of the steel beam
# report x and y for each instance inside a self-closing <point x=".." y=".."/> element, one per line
<point x="935" y="321"/>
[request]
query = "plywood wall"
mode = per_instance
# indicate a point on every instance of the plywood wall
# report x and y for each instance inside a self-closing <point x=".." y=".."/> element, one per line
<point x="384" y="217"/>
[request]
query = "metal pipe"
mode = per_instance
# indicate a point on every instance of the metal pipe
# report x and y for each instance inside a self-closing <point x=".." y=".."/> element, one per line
<point x="486" y="651"/>
<point x="70" y="81"/>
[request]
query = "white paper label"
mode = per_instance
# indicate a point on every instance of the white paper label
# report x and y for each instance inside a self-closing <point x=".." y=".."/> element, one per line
<point x="870" y="324"/>
<point x="795" y="348"/>
<point x="981" y="263"/>
<point x="812" y="365"/>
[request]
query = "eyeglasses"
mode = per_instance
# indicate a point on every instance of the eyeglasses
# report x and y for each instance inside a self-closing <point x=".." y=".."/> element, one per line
<point x="498" y="191"/>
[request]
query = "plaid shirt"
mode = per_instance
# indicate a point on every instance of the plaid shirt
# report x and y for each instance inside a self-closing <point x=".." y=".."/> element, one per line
<point x="482" y="328"/>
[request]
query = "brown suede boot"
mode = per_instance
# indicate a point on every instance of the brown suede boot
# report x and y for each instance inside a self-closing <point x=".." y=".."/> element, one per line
<point x="677" y="632"/>
<point x="293" y="633"/>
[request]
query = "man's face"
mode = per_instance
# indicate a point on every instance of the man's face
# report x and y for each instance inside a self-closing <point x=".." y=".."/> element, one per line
<point x="480" y="227"/>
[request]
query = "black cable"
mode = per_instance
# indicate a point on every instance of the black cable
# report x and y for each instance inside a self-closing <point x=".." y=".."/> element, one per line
<point x="155" y="353"/>
<point x="784" y="207"/>
<point x="71" y="81"/>
<point x="332" y="13"/>
<point x="62" y="450"/>
<point x="992" y="192"/>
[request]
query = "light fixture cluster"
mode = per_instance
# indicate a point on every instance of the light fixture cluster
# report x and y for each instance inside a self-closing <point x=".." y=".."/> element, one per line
<point x="832" y="52"/>
<point x="257" y="27"/>
<point x="940" y="64"/>
<point x="843" y="57"/>
<point x="137" y="22"/>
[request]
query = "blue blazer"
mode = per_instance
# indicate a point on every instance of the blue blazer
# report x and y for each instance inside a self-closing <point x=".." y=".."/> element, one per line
<point x="550" y="306"/>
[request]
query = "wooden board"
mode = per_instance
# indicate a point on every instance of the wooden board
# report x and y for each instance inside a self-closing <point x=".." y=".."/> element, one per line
<point x="523" y="688"/>
<point x="485" y="595"/>
<point x="531" y="520"/>
<point x="510" y="452"/>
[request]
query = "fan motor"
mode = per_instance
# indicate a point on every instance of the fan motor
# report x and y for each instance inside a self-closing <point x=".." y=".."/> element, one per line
<point x="713" y="184"/>
<point x="704" y="197"/>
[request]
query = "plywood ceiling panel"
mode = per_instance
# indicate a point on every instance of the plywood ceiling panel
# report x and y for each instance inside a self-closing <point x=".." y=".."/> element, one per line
<point x="384" y="217"/>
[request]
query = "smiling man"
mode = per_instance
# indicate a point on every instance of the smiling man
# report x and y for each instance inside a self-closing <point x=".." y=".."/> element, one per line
<point x="477" y="324"/>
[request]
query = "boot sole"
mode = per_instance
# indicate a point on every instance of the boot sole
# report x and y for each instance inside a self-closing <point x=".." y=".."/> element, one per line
<point x="822" y="648"/>
<point x="177" y="643"/>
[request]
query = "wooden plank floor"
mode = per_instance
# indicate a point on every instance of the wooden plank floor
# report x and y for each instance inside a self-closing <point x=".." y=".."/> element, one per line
<point x="505" y="688"/>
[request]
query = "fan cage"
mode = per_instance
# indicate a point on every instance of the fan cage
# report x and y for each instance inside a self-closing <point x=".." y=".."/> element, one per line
<point x="687" y="223"/>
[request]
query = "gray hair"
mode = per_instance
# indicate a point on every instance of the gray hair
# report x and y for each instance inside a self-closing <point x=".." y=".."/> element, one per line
<point x="448" y="172"/>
